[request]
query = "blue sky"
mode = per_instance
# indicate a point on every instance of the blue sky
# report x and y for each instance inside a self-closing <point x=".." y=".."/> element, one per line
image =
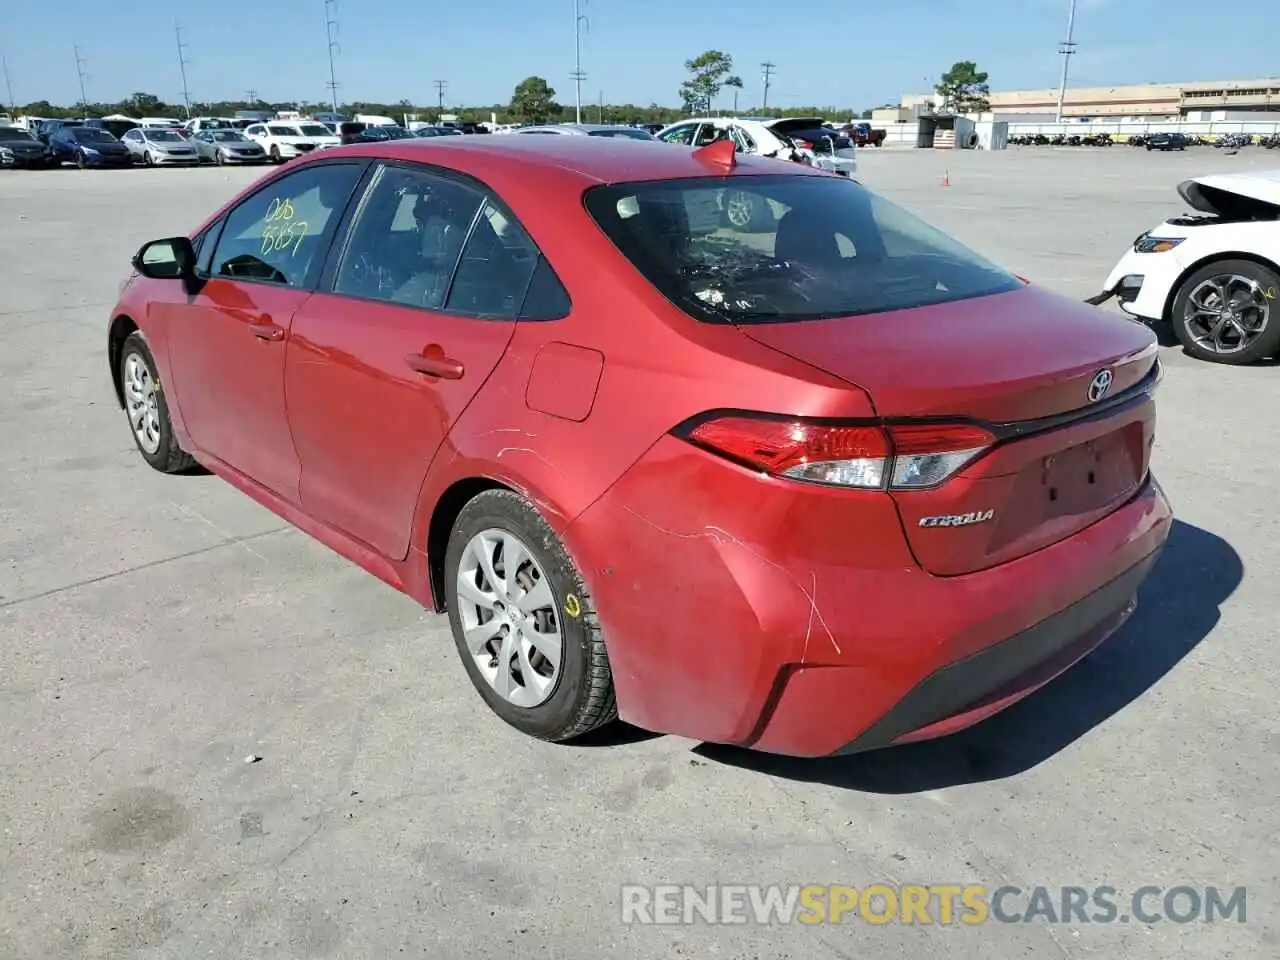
<point x="827" y="52"/>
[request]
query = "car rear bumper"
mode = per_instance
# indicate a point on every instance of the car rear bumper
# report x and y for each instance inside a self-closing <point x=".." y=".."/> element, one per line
<point x="793" y="619"/>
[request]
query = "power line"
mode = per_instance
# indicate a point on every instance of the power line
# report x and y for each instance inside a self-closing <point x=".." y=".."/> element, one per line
<point x="182" y="67"/>
<point x="766" y="73"/>
<point x="331" y="32"/>
<point x="81" y="64"/>
<point x="1067" y="48"/>
<point x="442" y="87"/>
<point x="579" y="20"/>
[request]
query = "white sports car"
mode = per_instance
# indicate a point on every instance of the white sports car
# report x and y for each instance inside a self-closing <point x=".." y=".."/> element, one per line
<point x="1215" y="275"/>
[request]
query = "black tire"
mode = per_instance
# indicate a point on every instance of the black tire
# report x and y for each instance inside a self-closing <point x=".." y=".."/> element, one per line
<point x="583" y="697"/>
<point x="218" y="158"/>
<point x="147" y="161"/>
<point x="168" y="456"/>
<point x="80" y="161"/>
<point x="1265" y="344"/>
<point x="275" y="154"/>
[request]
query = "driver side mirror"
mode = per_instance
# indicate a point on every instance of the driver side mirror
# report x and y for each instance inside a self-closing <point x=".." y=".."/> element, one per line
<point x="173" y="258"/>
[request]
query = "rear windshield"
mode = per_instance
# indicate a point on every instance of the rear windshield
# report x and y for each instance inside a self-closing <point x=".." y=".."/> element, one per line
<point x="778" y="248"/>
<point x="315" y="130"/>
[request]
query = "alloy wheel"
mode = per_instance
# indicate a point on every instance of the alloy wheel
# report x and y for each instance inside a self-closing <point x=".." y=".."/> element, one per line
<point x="738" y="208"/>
<point x="1227" y="313"/>
<point x="509" y="618"/>
<point x="143" y="403"/>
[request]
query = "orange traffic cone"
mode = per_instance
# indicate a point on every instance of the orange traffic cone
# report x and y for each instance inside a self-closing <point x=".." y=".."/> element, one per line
<point x="946" y="178"/>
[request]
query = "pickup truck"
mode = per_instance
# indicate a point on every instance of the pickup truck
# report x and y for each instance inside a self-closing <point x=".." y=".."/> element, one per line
<point x="863" y="135"/>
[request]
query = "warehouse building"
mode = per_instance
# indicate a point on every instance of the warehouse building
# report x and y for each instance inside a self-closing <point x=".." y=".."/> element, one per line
<point x="1203" y="100"/>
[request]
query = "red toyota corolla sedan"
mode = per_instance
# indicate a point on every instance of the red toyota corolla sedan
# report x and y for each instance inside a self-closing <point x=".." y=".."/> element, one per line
<point x="821" y="483"/>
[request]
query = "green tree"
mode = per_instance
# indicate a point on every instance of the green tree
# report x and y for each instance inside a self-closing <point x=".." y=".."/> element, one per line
<point x="144" y="105"/>
<point x="734" y="83"/>
<point x="707" y="73"/>
<point x="534" y="101"/>
<point x="963" y="88"/>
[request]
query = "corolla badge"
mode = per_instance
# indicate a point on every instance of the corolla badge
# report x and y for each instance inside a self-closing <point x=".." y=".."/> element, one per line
<point x="958" y="519"/>
<point x="1100" y="385"/>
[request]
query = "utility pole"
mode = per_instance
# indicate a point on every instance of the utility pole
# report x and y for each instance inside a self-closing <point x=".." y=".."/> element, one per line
<point x="579" y="19"/>
<point x="182" y="67"/>
<point x="442" y="87"/>
<point x="766" y="73"/>
<point x="600" y="110"/>
<point x="1067" y="47"/>
<point x="331" y="32"/>
<point x="251" y="97"/>
<point x="81" y="64"/>
<point x="8" y="83"/>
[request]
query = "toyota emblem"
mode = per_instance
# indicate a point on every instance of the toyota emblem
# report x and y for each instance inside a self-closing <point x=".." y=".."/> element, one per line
<point x="1100" y="384"/>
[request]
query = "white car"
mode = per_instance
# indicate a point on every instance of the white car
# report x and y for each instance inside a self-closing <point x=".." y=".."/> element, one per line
<point x="1214" y="275"/>
<point x="785" y="138"/>
<point x="284" y="140"/>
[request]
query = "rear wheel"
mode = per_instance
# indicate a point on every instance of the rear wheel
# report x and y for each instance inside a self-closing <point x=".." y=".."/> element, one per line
<point x="1225" y="312"/>
<point x="523" y="621"/>
<point x="147" y="409"/>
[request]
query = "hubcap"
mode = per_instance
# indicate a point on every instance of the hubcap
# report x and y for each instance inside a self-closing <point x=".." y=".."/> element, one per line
<point x="510" y="620"/>
<point x="141" y="397"/>
<point x="737" y="207"/>
<point x="1225" y="314"/>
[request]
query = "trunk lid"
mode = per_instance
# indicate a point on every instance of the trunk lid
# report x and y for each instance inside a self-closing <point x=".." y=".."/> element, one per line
<point x="1025" y="361"/>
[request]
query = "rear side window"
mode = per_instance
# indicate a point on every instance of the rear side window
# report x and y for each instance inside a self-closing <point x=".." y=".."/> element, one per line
<point x="778" y="248"/>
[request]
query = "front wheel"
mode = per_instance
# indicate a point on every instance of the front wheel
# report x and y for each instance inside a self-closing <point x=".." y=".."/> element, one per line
<point x="1223" y="312"/>
<point x="524" y="622"/>
<point x="147" y="409"/>
<point x="148" y="159"/>
<point x="220" y="158"/>
<point x="275" y="154"/>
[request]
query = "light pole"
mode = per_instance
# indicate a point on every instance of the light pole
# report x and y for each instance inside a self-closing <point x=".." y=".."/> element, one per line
<point x="1067" y="47"/>
<point x="331" y="32"/>
<point x="182" y="68"/>
<point x="579" y="19"/>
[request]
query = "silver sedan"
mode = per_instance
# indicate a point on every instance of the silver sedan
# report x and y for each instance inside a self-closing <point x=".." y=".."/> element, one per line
<point x="590" y="130"/>
<point x="227" y="146"/>
<point x="157" y="147"/>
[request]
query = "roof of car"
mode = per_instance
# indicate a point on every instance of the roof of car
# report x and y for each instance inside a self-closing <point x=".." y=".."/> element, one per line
<point x="594" y="159"/>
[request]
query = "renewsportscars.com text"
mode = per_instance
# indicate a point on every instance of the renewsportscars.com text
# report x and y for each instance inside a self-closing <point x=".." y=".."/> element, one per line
<point x="928" y="904"/>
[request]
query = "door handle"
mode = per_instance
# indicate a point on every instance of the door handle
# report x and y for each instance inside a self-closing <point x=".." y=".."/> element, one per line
<point x="433" y="363"/>
<point x="266" y="331"/>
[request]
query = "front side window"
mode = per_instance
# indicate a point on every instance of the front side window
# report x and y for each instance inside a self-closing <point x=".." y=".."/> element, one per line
<point x="708" y="133"/>
<point x="406" y="239"/>
<point x="280" y="130"/>
<point x="777" y="248"/>
<point x="278" y="235"/>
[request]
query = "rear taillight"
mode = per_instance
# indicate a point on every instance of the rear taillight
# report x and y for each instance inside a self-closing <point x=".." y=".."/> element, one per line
<point x="897" y="456"/>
